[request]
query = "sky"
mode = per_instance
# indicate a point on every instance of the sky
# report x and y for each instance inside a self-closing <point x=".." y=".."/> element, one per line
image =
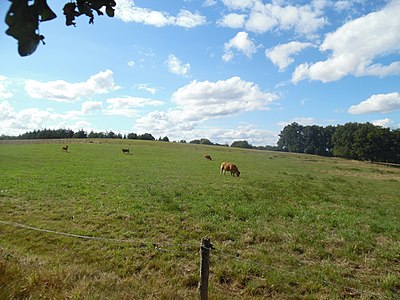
<point x="225" y="70"/>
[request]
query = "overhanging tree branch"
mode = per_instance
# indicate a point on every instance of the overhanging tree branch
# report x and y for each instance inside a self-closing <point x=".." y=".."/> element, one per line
<point x="23" y="19"/>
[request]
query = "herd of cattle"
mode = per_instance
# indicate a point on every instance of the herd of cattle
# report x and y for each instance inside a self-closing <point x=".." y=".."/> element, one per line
<point x="223" y="168"/>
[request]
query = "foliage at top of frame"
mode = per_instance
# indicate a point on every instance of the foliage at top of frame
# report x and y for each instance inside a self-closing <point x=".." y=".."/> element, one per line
<point x="23" y="19"/>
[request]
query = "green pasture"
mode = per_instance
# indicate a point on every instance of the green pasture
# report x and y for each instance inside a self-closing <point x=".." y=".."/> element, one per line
<point x="93" y="223"/>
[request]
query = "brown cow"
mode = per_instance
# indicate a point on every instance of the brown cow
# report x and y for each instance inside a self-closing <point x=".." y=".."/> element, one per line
<point x="206" y="156"/>
<point x="229" y="167"/>
<point x="125" y="150"/>
<point x="65" y="148"/>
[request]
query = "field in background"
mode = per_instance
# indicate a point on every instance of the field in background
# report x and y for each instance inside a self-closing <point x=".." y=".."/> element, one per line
<point x="292" y="226"/>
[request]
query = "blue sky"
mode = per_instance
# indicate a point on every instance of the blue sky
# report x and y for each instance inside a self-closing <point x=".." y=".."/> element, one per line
<point x="224" y="70"/>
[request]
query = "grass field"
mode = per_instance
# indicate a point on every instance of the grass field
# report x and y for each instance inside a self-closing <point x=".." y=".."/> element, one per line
<point x="290" y="227"/>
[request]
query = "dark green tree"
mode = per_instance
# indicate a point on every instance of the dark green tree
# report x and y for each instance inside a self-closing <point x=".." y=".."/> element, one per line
<point x="204" y="141"/>
<point x="146" y="136"/>
<point x="242" y="144"/>
<point x="291" y="138"/>
<point x="80" y="134"/>
<point x="343" y="140"/>
<point x="165" y="139"/>
<point x="132" y="136"/>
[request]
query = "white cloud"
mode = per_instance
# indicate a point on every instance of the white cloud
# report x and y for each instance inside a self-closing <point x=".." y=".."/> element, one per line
<point x="255" y="136"/>
<point x="208" y="3"/>
<point x="147" y="88"/>
<point x="281" y="54"/>
<point x="356" y="45"/>
<point x="128" y="106"/>
<point x="232" y="21"/>
<point x="239" y="4"/>
<point x="300" y="120"/>
<point x="4" y="93"/>
<point x="91" y="106"/>
<point x="176" y="66"/>
<point x="383" y="103"/>
<point x="383" y="122"/>
<point x="260" y="18"/>
<point x="342" y="5"/>
<point x="242" y="43"/>
<point x="131" y="63"/>
<point x="63" y="91"/>
<point x="200" y="101"/>
<point x="14" y="122"/>
<point x="127" y="11"/>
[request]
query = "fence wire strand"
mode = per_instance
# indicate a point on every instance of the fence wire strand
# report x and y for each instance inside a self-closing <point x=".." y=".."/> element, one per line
<point x="157" y="245"/>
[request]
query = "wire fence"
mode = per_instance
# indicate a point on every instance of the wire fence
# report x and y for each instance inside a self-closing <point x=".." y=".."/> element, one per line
<point x="217" y="253"/>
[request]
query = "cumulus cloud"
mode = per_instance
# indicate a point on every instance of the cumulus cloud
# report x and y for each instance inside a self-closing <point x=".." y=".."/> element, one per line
<point x="63" y="91"/>
<point x="4" y="92"/>
<point x="176" y="66"/>
<point x="300" y="120"/>
<point x="248" y="132"/>
<point x="145" y="87"/>
<point x="91" y="106"/>
<point x="127" y="11"/>
<point x="239" y="4"/>
<point x="382" y="122"/>
<point x="242" y="43"/>
<point x="128" y="106"/>
<point x="281" y="54"/>
<point x="342" y="5"/>
<point x="356" y="45"/>
<point x="232" y="21"/>
<point x="14" y="122"/>
<point x="200" y="101"/>
<point x="383" y="103"/>
<point x="208" y="3"/>
<point x="260" y="17"/>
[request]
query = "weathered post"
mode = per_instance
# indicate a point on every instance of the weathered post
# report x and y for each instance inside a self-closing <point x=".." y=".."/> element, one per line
<point x="205" y="248"/>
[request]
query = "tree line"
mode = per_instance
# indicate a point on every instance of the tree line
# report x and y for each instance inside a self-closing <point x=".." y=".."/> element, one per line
<point x="359" y="141"/>
<point x="80" y="134"/>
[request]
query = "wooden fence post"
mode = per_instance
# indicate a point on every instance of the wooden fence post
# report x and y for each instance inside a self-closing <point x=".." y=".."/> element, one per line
<point x="205" y="248"/>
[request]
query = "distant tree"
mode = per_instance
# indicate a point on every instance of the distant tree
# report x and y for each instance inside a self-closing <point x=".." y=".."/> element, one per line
<point x="343" y="141"/>
<point x="270" y="148"/>
<point x="24" y="16"/>
<point x="165" y="139"/>
<point x="132" y="136"/>
<point x="111" y="135"/>
<point x="205" y="142"/>
<point x="328" y="132"/>
<point x="80" y="134"/>
<point x="395" y="146"/>
<point x="291" y="138"/>
<point x="195" y="142"/>
<point x="182" y="141"/>
<point x="146" y="136"/>
<point x="314" y="141"/>
<point x="241" y="144"/>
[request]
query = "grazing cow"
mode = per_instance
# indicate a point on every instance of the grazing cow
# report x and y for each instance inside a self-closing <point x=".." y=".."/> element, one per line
<point x="206" y="156"/>
<point x="65" y="148"/>
<point x="229" y="167"/>
<point x="125" y="150"/>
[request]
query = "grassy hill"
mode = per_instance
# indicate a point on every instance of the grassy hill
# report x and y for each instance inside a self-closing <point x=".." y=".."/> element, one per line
<point x="93" y="223"/>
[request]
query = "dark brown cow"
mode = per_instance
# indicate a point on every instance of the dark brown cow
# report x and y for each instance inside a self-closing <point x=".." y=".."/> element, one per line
<point x="206" y="156"/>
<point x="229" y="167"/>
<point x="125" y="150"/>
